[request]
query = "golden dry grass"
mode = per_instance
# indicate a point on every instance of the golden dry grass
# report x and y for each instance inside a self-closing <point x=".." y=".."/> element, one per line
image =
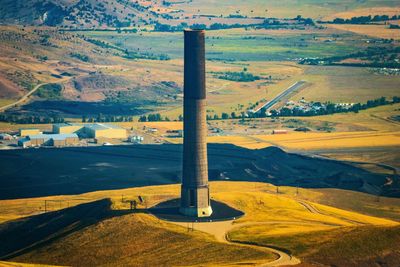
<point x="307" y="141"/>
<point x="10" y="127"/>
<point x="245" y="196"/>
<point x="346" y="246"/>
<point x="141" y="240"/>
<point x="20" y="264"/>
<point x="270" y="215"/>
<point x="5" y="102"/>
<point x="378" y="31"/>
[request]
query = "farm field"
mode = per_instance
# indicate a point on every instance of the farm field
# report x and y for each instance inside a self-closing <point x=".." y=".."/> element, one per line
<point x="378" y="31"/>
<point x="241" y="44"/>
<point x="313" y="141"/>
<point x="342" y="84"/>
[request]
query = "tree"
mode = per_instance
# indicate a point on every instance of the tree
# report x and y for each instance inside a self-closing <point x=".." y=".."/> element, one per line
<point x="224" y="116"/>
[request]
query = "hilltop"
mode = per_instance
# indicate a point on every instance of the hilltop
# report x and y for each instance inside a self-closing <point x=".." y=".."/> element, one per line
<point x="91" y="230"/>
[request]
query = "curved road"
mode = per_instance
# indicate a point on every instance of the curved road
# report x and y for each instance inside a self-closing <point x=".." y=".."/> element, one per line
<point x="22" y="99"/>
<point x="220" y="230"/>
<point x="27" y="95"/>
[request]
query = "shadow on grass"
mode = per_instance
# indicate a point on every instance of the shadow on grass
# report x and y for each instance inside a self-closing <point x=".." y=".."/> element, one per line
<point x="169" y="211"/>
<point x="23" y="235"/>
<point x="76" y="170"/>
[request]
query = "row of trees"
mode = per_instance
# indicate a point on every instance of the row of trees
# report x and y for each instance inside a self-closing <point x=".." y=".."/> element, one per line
<point x="30" y="119"/>
<point x="378" y="57"/>
<point x="331" y="108"/>
<point x="362" y="19"/>
<point x="242" y="76"/>
<point x="108" y="118"/>
<point x="153" y="117"/>
<point x="159" y="27"/>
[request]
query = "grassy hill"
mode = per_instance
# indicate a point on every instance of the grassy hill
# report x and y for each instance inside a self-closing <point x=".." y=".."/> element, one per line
<point x="124" y="13"/>
<point x="361" y="246"/>
<point x="76" y="14"/>
<point x="106" y="232"/>
<point x="97" y="236"/>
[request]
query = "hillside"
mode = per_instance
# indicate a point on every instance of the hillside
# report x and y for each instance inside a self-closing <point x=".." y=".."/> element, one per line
<point x="76" y="13"/>
<point x="101" y="168"/>
<point x="95" y="235"/>
<point x="91" y="230"/>
<point x="351" y="246"/>
<point x="78" y="69"/>
<point x="72" y="14"/>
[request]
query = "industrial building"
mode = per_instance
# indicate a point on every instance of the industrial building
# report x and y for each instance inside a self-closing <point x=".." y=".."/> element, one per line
<point x="136" y="139"/>
<point x="64" y="139"/>
<point x="26" y="132"/>
<point x="67" y="128"/>
<point x="49" y="140"/>
<point x="99" y="130"/>
<point x="92" y="130"/>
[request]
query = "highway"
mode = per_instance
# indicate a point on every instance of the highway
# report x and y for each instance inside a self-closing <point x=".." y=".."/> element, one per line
<point x="285" y="93"/>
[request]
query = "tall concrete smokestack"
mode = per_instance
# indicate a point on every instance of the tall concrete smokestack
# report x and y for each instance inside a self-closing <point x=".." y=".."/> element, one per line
<point x="195" y="194"/>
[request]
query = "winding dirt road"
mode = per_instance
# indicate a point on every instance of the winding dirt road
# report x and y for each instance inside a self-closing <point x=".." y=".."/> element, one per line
<point x="220" y="230"/>
<point x="27" y="95"/>
<point x="22" y="99"/>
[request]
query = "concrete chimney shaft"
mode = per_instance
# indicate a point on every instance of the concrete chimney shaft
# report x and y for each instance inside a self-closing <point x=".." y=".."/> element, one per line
<point x="195" y="194"/>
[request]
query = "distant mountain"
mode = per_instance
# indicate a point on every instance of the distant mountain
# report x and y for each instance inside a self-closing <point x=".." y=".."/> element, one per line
<point x="76" y="13"/>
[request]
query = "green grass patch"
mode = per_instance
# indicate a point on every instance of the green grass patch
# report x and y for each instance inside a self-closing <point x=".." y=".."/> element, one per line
<point x="50" y="91"/>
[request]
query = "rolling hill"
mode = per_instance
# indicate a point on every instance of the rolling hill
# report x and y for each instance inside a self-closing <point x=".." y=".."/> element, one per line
<point x="76" y="13"/>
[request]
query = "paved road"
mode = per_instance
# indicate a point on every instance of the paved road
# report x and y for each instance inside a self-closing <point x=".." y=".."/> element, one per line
<point x="288" y="91"/>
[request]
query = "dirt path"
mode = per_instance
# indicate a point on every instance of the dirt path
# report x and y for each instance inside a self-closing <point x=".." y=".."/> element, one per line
<point x="313" y="209"/>
<point x="220" y="230"/>
<point x="22" y="99"/>
<point x="309" y="207"/>
<point x="27" y="95"/>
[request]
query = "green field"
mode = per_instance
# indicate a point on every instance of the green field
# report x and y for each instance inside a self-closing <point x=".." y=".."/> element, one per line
<point x="241" y="44"/>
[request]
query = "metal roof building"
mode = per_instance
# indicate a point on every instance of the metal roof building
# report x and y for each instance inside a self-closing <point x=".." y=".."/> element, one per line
<point x="49" y="140"/>
<point x="98" y="130"/>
